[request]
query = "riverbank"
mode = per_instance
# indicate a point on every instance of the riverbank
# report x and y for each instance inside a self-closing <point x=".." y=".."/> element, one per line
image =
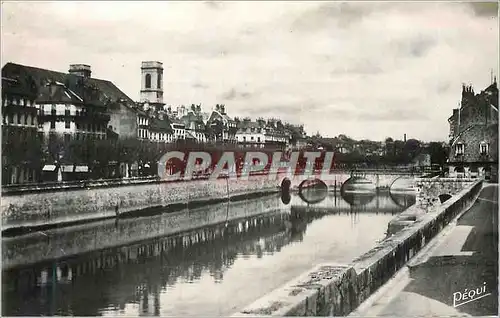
<point x="337" y="289"/>
<point x="64" y="242"/>
<point x="195" y="273"/>
<point x="38" y="210"/>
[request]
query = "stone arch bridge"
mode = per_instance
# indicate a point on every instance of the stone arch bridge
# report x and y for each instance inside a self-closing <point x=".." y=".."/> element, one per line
<point x="335" y="180"/>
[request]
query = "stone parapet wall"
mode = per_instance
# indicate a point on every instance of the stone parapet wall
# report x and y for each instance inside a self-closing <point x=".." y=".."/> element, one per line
<point x="48" y="208"/>
<point x="338" y="289"/>
<point x="429" y="189"/>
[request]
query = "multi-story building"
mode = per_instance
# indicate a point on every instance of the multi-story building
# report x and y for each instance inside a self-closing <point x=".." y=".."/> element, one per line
<point x="178" y="128"/>
<point x="262" y="134"/>
<point x="474" y="134"/>
<point x="20" y="139"/>
<point x="143" y="120"/>
<point x="194" y="125"/>
<point x="276" y="134"/>
<point x="220" y="126"/>
<point x="161" y="130"/>
<point x="251" y="133"/>
<point x="63" y="112"/>
<point x="123" y="119"/>
<point x="61" y="106"/>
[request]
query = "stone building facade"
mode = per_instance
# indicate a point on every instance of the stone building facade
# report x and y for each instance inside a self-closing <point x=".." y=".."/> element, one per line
<point x="474" y="134"/>
<point x="19" y="130"/>
<point x="45" y="106"/>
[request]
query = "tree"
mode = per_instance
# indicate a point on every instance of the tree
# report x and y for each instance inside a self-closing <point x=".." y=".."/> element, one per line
<point x="411" y="149"/>
<point x="438" y="153"/>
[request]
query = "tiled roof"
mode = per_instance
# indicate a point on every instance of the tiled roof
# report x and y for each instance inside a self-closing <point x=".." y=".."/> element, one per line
<point x="492" y="88"/>
<point x="247" y="124"/>
<point x="177" y="121"/>
<point x="21" y="87"/>
<point x="57" y="92"/>
<point x="32" y="79"/>
<point x="190" y="118"/>
<point x="224" y="117"/>
<point x="160" y="125"/>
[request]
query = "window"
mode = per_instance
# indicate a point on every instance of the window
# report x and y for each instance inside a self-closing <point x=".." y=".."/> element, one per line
<point x="258" y="139"/>
<point x="53" y="110"/>
<point x="159" y="82"/>
<point x="459" y="149"/>
<point x="53" y="124"/>
<point x="33" y="120"/>
<point x="67" y="138"/>
<point x="26" y="119"/>
<point x="11" y="119"/>
<point x="483" y="148"/>
<point x="66" y="111"/>
<point x="67" y="124"/>
<point x="148" y="80"/>
<point x="19" y="119"/>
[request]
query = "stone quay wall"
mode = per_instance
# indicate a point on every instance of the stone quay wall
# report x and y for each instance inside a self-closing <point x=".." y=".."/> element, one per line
<point x="338" y="289"/>
<point x="40" y="208"/>
<point x="67" y="241"/>
<point x="428" y="200"/>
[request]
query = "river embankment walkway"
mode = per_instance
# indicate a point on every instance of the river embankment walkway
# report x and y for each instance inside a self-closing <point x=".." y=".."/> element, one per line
<point x="461" y="260"/>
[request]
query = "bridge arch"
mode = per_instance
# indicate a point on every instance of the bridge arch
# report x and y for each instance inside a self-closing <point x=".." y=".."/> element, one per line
<point x="320" y="193"/>
<point x="399" y="177"/>
<point x="357" y="199"/>
<point x="394" y="181"/>
<point x="285" y="184"/>
<point x="354" y="178"/>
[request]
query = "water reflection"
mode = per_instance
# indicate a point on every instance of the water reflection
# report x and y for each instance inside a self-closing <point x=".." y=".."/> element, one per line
<point x="357" y="192"/>
<point x="377" y="201"/>
<point x="286" y="197"/>
<point x="200" y="271"/>
<point x="313" y="195"/>
<point x="132" y="274"/>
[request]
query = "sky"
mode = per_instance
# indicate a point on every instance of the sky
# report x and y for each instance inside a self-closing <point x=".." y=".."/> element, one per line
<point x="368" y="70"/>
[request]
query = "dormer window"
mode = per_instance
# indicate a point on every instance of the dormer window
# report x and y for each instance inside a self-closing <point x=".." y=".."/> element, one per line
<point x="459" y="149"/>
<point x="484" y="148"/>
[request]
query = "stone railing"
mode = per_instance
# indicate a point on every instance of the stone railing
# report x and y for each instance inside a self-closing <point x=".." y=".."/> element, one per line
<point x="429" y="189"/>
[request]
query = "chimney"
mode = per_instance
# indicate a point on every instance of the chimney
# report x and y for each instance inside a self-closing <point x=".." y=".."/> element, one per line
<point x="405" y="138"/>
<point x="80" y="70"/>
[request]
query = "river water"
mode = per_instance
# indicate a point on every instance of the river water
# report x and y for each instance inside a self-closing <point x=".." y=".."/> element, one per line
<point x="212" y="270"/>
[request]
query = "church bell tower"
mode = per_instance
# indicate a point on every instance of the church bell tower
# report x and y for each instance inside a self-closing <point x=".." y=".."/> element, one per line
<point x="152" y="83"/>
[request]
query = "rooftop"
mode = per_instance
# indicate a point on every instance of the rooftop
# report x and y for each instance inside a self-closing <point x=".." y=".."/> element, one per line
<point x="29" y="80"/>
